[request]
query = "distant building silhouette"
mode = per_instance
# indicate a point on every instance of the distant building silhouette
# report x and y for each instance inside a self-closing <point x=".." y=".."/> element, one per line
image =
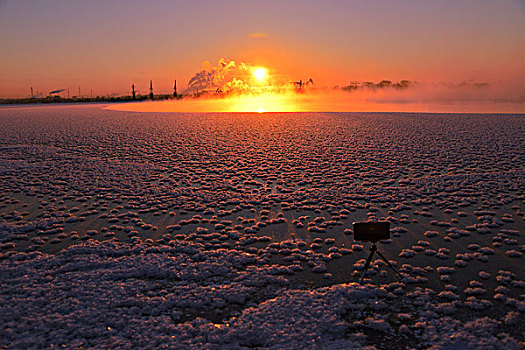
<point x="151" y="89"/>
<point x="133" y="91"/>
<point x="175" y="89"/>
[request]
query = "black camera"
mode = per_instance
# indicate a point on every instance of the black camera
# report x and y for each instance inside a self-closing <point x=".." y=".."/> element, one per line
<point x="371" y="231"/>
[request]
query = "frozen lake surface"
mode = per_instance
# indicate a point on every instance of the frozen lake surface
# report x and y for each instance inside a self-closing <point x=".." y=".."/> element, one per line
<point x="126" y="229"/>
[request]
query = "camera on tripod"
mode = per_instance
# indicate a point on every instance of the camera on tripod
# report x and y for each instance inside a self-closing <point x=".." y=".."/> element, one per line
<point x="373" y="232"/>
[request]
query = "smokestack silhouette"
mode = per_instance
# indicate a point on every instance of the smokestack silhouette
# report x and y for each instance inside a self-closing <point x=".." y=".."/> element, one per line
<point x="151" y="89"/>
<point x="133" y="91"/>
<point x="175" y="89"/>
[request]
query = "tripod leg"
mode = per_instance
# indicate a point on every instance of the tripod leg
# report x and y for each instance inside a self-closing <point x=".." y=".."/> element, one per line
<point x="367" y="265"/>
<point x="389" y="264"/>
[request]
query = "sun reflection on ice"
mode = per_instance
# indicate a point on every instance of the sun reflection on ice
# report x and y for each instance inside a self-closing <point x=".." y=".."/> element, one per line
<point x="261" y="103"/>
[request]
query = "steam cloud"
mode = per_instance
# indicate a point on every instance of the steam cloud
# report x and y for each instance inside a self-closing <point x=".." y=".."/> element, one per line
<point x="227" y="75"/>
<point x="428" y="92"/>
<point x="234" y="79"/>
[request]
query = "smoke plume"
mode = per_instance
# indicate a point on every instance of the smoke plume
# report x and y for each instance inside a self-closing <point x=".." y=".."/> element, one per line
<point x="227" y="75"/>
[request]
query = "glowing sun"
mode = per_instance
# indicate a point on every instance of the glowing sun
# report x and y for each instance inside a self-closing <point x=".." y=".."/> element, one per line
<point x="259" y="74"/>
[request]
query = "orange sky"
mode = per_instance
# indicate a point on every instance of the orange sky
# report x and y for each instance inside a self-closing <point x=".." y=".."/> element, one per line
<point x="107" y="46"/>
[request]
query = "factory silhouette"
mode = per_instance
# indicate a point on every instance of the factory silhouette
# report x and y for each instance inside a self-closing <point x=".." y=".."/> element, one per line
<point x="151" y="95"/>
<point x="63" y="95"/>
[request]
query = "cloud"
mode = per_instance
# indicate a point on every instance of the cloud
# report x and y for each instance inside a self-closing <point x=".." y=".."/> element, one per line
<point x="258" y="35"/>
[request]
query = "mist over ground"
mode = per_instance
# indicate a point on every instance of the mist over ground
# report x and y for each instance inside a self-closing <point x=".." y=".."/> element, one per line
<point x="230" y="86"/>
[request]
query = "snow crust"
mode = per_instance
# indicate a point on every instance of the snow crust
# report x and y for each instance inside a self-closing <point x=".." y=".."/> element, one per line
<point x="130" y="230"/>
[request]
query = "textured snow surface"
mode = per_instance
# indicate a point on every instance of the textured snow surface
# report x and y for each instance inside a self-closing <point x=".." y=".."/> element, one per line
<point x="113" y="294"/>
<point x="126" y="230"/>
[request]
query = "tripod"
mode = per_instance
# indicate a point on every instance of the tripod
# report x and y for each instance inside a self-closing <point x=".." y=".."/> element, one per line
<point x="373" y="249"/>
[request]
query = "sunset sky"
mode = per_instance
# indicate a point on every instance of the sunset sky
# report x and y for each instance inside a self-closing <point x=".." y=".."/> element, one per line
<point x="108" y="45"/>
